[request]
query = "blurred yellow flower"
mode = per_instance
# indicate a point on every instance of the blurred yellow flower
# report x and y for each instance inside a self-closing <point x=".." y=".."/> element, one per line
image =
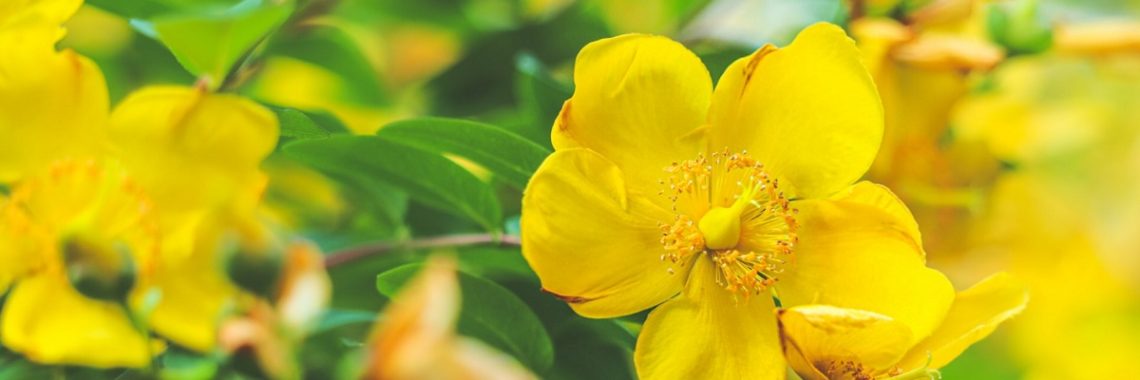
<point x="77" y="240"/>
<point x="1067" y="123"/>
<point x="609" y="232"/>
<point x="415" y="337"/>
<point x="215" y="143"/>
<point x="921" y="74"/>
<point x="44" y="93"/>
<point x="826" y="342"/>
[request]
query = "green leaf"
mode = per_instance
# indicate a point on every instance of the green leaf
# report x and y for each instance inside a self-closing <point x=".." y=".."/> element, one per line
<point x="540" y="98"/>
<point x="507" y="155"/>
<point x="300" y="125"/>
<point x="210" y="42"/>
<point x="1019" y="26"/>
<point x="490" y="313"/>
<point x="295" y="124"/>
<point x="427" y="177"/>
<point x="495" y="263"/>
<point x="333" y="319"/>
<point x="13" y="367"/>
<point x="178" y="365"/>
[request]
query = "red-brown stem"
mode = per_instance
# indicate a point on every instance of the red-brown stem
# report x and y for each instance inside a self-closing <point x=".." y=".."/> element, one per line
<point x="371" y="249"/>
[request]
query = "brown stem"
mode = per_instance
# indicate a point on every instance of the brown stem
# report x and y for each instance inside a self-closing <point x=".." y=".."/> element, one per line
<point x="371" y="249"/>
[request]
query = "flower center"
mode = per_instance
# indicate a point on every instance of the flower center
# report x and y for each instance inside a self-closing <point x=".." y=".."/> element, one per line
<point x="846" y="370"/>
<point x="728" y="207"/>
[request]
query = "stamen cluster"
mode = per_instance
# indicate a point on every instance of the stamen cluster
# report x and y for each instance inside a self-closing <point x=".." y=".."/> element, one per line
<point x="768" y="228"/>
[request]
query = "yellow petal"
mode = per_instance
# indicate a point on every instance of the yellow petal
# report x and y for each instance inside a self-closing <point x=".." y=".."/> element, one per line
<point x="949" y="52"/>
<point x="859" y="250"/>
<point x="50" y="12"/>
<point x="592" y="242"/>
<point x="809" y="112"/>
<point x="637" y="100"/>
<point x="196" y="291"/>
<point x="45" y="319"/>
<point x="213" y="142"/>
<point x="194" y="296"/>
<point x="975" y="314"/>
<point x="1097" y="38"/>
<point x="705" y="333"/>
<point x="819" y="338"/>
<point x="53" y="105"/>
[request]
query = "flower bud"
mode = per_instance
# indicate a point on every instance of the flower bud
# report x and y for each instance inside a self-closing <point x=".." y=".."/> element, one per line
<point x="98" y="268"/>
<point x="256" y="270"/>
<point x="1019" y="27"/>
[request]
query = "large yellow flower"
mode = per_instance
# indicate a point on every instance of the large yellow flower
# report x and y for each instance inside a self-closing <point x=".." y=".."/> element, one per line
<point x="755" y="200"/>
<point x="78" y="239"/>
<point x="826" y="342"/>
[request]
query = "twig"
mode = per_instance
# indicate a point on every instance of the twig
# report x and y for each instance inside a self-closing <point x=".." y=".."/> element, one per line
<point x="371" y="249"/>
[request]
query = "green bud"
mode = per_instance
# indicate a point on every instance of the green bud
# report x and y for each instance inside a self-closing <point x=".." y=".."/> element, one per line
<point x="1019" y="27"/>
<point x="99" y="269"/>
<point x="256" y="271"/>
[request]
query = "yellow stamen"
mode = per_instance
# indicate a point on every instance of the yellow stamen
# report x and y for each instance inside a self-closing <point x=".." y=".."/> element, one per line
<point x="744" y="224"/>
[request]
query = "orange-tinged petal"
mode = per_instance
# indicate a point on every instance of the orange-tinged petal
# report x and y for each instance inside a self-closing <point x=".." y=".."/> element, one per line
<point x="708" y="333"/>
<point x="419" y="325"/>
<point x="820" y="339"/>
<point x="48" y="321"/>
<point x="638" y="101"/>
<point x="860" y="250"/>
<point x="809" y="112"/>
<point x="975" y="314"/>
<point x="591" y="241"/>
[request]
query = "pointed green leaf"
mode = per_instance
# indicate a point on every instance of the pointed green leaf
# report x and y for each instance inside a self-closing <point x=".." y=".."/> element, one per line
<point x="209" y="43"/>
<point x="509" y="156"/>
<point x="427" y="177"/>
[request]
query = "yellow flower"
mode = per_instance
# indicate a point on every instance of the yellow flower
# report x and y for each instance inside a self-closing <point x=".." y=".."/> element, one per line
<point x="755" y="199"/>
<point x="77" y="240"/>
<point x="415" y="338"/>
<point x="53" y="104"/>
<point x="826" y="342"/>
<point x="921" y="74"/>
<point x="1082" y="295"/>
<point x="177" y="138"/>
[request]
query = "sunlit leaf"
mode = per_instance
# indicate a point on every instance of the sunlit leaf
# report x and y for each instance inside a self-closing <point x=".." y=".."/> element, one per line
<point x="509" y="156"/>
<point x="210" y="42"/>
